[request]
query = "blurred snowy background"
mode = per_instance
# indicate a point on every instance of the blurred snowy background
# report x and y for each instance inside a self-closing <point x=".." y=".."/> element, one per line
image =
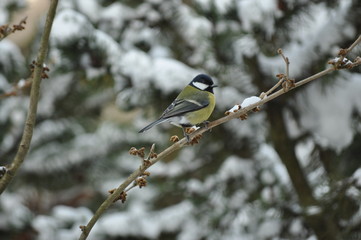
<point x="291" y="171"/>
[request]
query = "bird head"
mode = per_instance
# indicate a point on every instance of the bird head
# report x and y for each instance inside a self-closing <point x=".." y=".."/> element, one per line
<point x="203" y="82"/>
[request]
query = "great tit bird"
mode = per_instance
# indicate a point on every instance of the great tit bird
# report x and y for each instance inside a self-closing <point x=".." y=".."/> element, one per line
<point x="194" y="104"/>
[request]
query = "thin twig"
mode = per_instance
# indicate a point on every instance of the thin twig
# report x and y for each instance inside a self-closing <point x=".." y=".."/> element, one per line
<point x="282" y="77"/>
<point x="343" y="52"/>
<point x="280" y="52"/>
<point x="273" y="88"/>
<point x="130" y="187"/>
<point x="34" y="98"/>
<point x="21" y="85"/>
<point x="5" y="30"/>
<point x="151" y="152"/>
<point x="354" y="44"/>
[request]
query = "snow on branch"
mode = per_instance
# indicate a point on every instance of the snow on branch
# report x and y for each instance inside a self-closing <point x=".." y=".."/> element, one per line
<point x="238" y="111"/>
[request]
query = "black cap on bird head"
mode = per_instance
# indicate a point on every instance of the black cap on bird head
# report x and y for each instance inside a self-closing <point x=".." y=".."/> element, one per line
<point x="203" y="82"/>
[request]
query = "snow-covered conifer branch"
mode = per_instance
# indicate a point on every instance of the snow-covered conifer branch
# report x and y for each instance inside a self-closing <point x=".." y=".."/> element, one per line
<point x="238" y="111"/>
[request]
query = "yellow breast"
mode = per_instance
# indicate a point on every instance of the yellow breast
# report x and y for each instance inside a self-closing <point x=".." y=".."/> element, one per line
<point x="203" y="114"/>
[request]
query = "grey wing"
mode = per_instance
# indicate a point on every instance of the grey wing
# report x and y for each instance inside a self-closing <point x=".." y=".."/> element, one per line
<point x="180" y="107"/>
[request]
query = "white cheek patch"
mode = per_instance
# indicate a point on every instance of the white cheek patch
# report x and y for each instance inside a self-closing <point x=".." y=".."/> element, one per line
<point x="200" y="85"/>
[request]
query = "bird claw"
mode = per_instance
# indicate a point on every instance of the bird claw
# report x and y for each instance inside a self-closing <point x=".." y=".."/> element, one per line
<point x="205" y="124"/>
<point x="185" y="134"/>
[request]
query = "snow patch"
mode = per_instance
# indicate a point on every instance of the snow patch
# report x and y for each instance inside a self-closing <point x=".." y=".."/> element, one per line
<point x="166" y="74"/>
<point x="249" y="101"/>
<point x="236" y="167"/>
<point x="357" y="177"/>
<point x="258" y="13"/>
<point x="152" y="224"/>
<point x="70" y="25"/>
<point x="269" y="228"/>
<point x="327" y="113"/>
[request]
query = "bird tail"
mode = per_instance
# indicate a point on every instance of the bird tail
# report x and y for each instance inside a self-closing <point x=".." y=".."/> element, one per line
<point x="152" y="124"/>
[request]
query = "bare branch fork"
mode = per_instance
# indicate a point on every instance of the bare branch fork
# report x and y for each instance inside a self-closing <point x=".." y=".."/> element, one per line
<point x="34" y="98"/>
<point x="119" y="193"/>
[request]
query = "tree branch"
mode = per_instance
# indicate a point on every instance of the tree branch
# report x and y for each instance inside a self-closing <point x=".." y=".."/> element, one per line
<point x="34" y="98"/>
<point x="178" y="145"/>
<point x="353" y="45"/>
<point x="5" y="30"/>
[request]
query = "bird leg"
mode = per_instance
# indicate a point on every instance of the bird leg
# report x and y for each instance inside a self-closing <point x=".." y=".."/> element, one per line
<point x="204" y="124"/>
<point x="185" y="134"/>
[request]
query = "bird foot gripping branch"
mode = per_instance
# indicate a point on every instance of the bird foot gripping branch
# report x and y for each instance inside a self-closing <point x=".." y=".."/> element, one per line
<point x="196" y="138"/>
